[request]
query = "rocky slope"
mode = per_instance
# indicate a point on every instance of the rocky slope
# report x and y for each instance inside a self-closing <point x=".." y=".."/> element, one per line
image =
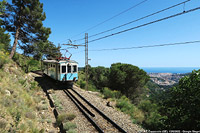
<point x="23" y="105"/>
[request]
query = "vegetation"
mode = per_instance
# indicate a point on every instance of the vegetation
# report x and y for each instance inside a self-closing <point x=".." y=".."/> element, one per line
<point x="24" y="20"/>
<point x="146" y="103"/>
<point x="127" y="79"/>
<point x="66" y="119"/>
<point x="182" y="104"/>
<point x="19" y="99"/>
<point x="174" y="108"/>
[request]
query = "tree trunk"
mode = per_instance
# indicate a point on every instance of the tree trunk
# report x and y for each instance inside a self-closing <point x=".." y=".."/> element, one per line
<point x="15" y="43"/>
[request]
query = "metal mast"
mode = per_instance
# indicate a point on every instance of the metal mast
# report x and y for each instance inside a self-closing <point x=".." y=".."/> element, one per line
<point x="86" y="60"/>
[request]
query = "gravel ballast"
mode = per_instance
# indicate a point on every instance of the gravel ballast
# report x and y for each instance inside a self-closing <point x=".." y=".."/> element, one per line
<point x="120" y="118"/>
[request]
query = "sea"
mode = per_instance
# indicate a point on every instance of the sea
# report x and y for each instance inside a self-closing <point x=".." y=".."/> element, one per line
<point x="179" y="70"/>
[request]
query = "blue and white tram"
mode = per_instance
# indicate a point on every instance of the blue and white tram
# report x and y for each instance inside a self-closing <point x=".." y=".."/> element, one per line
<point x="61" y="70"/>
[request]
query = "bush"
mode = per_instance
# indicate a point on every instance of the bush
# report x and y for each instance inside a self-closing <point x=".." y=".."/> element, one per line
<point x="82" y="84"/>
<point x="69" y="125"/>
<point x="3" y="124"/>
<point x="4" y="58"/>
<point x="30" y="115"/>
<point x="92" y="87"/>
<point x="108" y="93"/>
<point x="153" y="119"/>
<point x="71" y="131"/>
<point x="111" y="94"/>
<point x="65" y="117"/>
<point x="124" y="105"/>
<point x="70" y="116"/>
<point x="138" y="115"/>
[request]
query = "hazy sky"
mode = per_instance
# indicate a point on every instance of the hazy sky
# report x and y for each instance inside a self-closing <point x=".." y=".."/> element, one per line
<point x="67" y="18"/>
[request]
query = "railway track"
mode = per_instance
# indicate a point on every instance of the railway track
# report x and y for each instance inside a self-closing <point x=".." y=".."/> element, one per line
<point x="97" y="118"/>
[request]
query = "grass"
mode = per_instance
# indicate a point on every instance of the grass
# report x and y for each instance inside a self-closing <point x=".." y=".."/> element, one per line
<point x="65" y="117"/>
<point x="69" y="126"/>
<point x="18" y="99"/>
<point x="3" y="124"/>
<point x="57" y="102"/>
<point x="111" y="94"/>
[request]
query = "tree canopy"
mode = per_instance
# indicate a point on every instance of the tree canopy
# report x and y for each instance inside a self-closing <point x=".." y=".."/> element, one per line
<point x="182" y="105"/>
<point x="24" y="21"/>
<point x="4" y="37"/>
<point x="127" y="78"/>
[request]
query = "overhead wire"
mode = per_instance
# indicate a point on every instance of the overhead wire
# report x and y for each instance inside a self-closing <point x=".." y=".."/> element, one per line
<point x="141" y="47"/>
<point x="139" y="26"/>
<point x="134" y="6"/>
<point x="152" y="14"/>
<point x="148" y="46"/>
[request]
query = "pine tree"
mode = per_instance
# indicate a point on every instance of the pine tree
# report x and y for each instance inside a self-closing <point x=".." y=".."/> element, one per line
<point x="4" y="37"/>
<point x="25" y="22"/>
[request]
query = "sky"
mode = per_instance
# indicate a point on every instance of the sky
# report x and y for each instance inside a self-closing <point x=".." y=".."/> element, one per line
<point x="67" y="18"/>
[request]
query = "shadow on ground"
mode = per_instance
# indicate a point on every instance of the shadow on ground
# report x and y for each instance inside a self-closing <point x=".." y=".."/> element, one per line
<point x="47" y="83"/>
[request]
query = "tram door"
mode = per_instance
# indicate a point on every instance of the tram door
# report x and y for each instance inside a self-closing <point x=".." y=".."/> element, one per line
<point x="69" y="68"/>
<point x="57" y="71"/>
<point x="63" y="73"/>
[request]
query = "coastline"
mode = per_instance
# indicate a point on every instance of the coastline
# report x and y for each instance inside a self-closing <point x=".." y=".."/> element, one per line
<point x="174" y="70"/>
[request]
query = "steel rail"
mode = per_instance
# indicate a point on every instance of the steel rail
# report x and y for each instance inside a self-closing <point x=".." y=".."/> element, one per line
<point x="101" y="113"/>
<point x="87" y="110"/>
<point x="84" y="113"/>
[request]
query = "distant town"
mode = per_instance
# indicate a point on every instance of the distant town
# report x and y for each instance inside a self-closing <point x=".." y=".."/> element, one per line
<point x="166" y="79"/>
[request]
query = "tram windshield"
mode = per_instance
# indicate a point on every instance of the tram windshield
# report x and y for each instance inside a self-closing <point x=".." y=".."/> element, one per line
<point x="74" y="69"/>
<point x="63" y="69"/>
<point x="69" y="69"/>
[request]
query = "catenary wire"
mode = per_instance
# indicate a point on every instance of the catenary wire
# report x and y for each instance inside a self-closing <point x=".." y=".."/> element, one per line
<point x="155" y="21"/>
<point x="111" y="18"/>
<point x="148" y="46"/>
<point x="141" y="47"/>
<point x="135" y="20"/>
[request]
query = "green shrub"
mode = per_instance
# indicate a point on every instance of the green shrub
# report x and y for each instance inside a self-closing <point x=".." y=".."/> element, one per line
<point x="3" y="124"/>
<point x="71" y="131"/>
<point x="65" y="117"/>
<point x="30" y="115"/>
<point x="61" y="118"/>
<point x="124" y="105"/>
<point x="23" y="127"/>
<point x="69" y="125"/>
<point x="4" y="58"/>
<point x="34" y="85"/>
<point x="70" y="116"/>
<point x="92" y="87"/>
<point x="153" y="119"/>
<point x="108" y="93"/>
<point x="82" y="84"/>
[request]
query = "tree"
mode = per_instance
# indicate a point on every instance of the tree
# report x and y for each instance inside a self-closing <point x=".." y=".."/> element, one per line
<point x="41" y="50"/>
<point x="2" y="8"/>
<point x="128" y="79"/>
<point x="153" y="118"/>
<point x="4" y="37"/>
<point x="25" y="22"/>
<point x="99" y="76"/>
<point x="182" y="105"/>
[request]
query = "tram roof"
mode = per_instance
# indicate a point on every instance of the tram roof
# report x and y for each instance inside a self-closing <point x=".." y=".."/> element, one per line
<point x="60" y="61"/>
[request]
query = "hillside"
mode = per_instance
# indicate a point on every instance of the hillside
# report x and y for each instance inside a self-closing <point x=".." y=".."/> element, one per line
<point x="23" y="105"/>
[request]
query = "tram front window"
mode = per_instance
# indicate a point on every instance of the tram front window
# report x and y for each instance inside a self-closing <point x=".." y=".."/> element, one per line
<point x="69" y="69"/>
<point x="63" y="69"/>
<point x="74" y="68"/>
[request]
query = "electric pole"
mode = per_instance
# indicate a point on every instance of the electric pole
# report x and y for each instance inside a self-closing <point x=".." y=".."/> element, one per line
<point x="86" y="60"/>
